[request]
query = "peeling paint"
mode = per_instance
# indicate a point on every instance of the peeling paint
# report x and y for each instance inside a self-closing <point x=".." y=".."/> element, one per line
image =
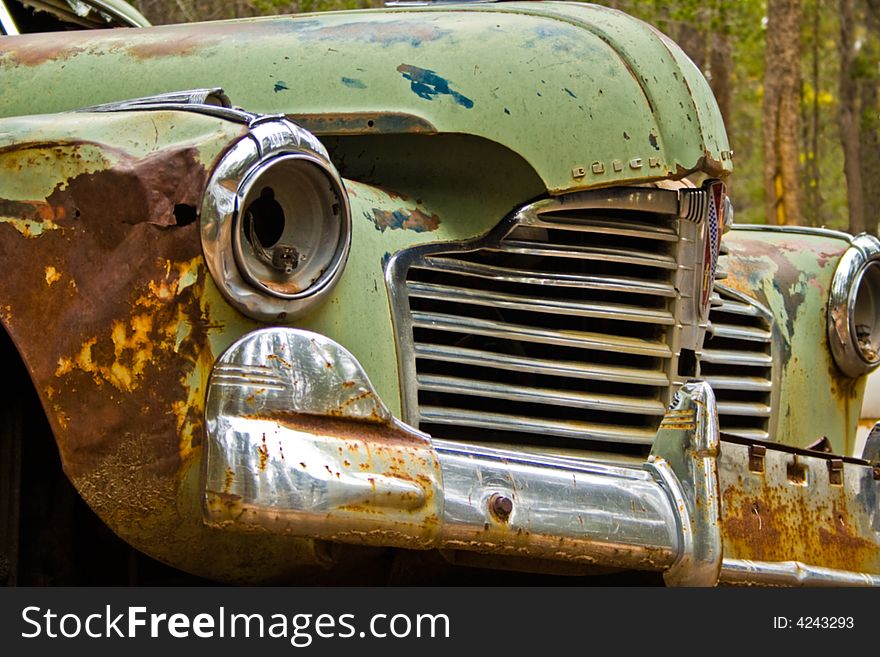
<point x="790" y="274"/>
<point x="427" y="84"/>
<point x="384" y="33"/>
<point x="52" y="275"/>
<point x="404" y="219"/>
<point x="28" y="227"/>
<point x="586" y="51"/>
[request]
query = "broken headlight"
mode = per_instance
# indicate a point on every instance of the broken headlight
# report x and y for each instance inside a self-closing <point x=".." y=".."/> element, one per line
<point x="276" y="224"/>
<point x="854" y="308"/>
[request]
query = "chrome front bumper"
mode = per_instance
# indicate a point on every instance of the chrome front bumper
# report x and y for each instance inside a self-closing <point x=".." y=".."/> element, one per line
<point x="299" y="442"/>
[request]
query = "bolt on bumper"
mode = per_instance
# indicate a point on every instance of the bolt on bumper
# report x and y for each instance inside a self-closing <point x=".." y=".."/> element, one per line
<point x="299" y="442"/>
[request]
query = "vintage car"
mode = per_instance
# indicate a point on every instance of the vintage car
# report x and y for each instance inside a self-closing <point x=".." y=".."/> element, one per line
<point x="300" y="290"/>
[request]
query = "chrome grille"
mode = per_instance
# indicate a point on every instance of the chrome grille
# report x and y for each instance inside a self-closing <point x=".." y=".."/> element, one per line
<point x="737" y="361"/>
<point x="560" y="324"/>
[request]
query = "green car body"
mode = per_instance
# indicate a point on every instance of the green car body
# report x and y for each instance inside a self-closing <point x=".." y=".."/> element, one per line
<point x="443" y="123"/>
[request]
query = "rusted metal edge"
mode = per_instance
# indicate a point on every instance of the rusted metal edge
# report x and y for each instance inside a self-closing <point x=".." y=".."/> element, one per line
<point x="744" y="572"/>
<point x="364" y="123"/>
<point x="801" y="451"/>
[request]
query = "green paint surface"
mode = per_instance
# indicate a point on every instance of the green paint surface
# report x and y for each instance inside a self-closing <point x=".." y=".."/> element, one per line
<point x="791" y="275"/>
<point x="559" y="84"/>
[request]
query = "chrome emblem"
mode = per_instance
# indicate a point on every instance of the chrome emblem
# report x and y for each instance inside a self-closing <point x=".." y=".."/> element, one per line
<point x="714" y="221"/>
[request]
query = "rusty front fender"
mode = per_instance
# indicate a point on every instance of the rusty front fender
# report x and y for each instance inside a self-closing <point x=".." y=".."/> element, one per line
<point x="109" y="302"/>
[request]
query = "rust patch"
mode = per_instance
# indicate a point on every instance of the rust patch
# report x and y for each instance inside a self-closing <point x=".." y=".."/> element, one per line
<point x="52" y="275"/>
<point x="776" y="527"/>
<point x="134" y="191"/>
<point x="404" y="219"/>
<point x="143" y="191"/>
<point x="171" y="40"/>
<point x="385" y="33"/>
<point x="377" y="433"/>
<point x="50" y="47"/>
<point x="263" y="449"/>
<point x="18" y="157"/>
<point x="359" y="123"/>
<point x="228" y="480"/>
<point x="30" y="218"/>
<point x="843" y="388"/>
<point x="129" y="318"/>
<point x="178" y="45"/>
<point x="366" y="394"/>
<point x="132" y="453"/>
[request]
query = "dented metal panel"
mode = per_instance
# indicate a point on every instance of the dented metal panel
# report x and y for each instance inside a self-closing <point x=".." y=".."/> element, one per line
<point x="301" y="443"/>
<point x="792" y="506"/>
<point x="114" y="313"/>
<point x="616" y="101"/>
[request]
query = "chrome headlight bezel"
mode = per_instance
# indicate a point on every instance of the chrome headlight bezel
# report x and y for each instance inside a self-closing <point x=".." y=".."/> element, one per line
<point x="270" y="143"/>
<point x="849" y="299"/>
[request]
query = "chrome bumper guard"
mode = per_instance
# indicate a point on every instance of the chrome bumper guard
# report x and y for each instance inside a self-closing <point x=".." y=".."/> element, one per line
<point x="299" y="442"/>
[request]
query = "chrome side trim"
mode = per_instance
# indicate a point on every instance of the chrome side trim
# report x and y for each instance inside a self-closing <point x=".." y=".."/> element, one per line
<point x="211" y="101"/>
<point x="795" y="230"/>
<point x="7" y="24"/>
<point x="863" y="252"/>
<point x="790" y="573"/>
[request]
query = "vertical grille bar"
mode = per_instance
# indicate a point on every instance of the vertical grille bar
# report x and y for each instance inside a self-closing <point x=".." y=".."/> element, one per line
<point x="737" y="361"/>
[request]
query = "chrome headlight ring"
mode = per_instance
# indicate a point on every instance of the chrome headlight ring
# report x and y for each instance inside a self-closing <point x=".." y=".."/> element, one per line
<point x="854" y="308"/>
<point x="275" y="222"/>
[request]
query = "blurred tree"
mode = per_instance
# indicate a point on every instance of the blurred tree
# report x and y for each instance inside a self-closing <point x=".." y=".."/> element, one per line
<point x="869" y="123"/>
<point x="781" y="112"/>
<point x="186" y="11"/>
<point x="812" y="122"/>
<point x="848" y="115"/>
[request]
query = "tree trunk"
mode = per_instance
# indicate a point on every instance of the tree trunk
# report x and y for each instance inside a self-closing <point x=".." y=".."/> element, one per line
<point x="814" y="192"/>
<point x="781" y="110"/>
<point x="848" y="116"/>
<point x="720" y="63"/>
<point x="869" y="128"/>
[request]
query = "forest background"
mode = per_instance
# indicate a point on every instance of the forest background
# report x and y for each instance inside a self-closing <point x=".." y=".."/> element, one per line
<point x="798" y="83"/>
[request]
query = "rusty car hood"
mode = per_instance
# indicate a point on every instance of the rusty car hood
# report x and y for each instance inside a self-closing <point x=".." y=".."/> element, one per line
<point x="587" y="96"/>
